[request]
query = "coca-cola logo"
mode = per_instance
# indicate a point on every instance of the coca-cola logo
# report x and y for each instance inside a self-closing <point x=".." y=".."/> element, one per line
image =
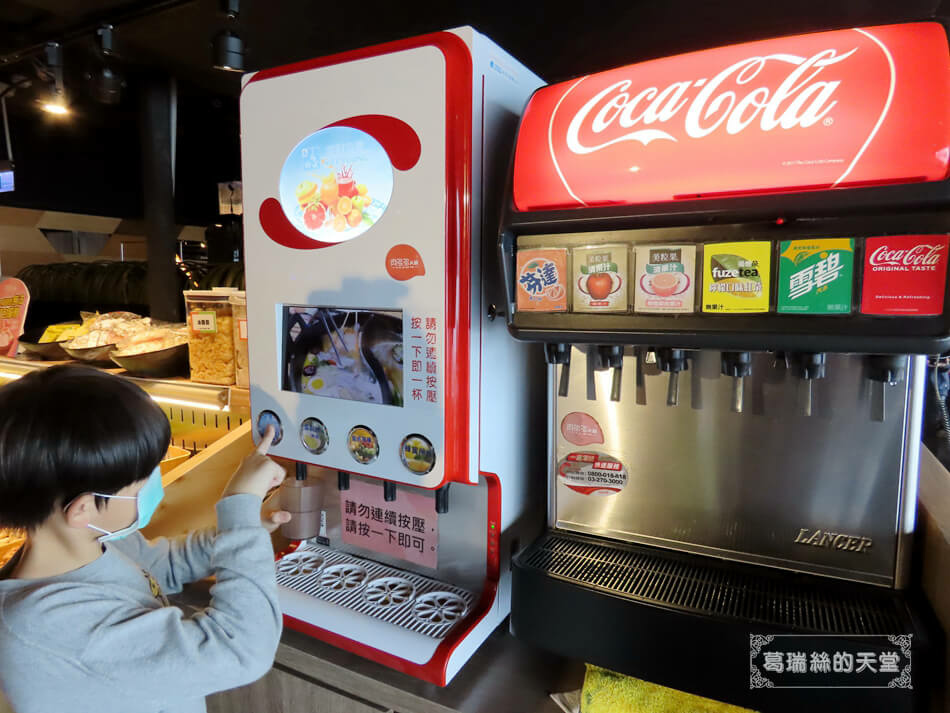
<point x="920" y="255"/>
<point x="812" y="112"/>
<point x="730" y="99"/>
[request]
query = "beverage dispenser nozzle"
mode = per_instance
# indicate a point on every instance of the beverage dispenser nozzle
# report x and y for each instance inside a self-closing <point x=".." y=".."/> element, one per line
<point x="884" y="370"/>
<point x="389" y="491"/>
<point x="442" y="499"/>
<point x="811" y="366"/>
<point x="342" y="480"/>
<point x="560" y="354"/>
<point x="611" y="357"/>
<point x="738" y="365"/>
<point x="672" y="361"/>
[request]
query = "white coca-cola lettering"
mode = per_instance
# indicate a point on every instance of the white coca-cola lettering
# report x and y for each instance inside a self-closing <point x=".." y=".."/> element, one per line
<point x="799" y="101"/>
<point x="918" y="255"/>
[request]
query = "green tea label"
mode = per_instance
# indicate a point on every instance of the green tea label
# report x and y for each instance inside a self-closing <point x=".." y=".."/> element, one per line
<point x="815" y="276"/>
<point x="736" y="277"/>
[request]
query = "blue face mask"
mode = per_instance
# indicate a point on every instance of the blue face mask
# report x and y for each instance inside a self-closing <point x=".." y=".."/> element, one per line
<point x="147" y="500"/>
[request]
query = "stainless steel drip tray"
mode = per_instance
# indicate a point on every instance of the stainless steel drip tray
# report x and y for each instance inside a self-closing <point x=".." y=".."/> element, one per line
<point x="710" y="587"/>
<point x="686" y="621"/>
<point x="396" y="597"/>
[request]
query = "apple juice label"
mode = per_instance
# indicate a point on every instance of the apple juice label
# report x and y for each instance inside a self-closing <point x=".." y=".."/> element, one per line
<point x="815" y="276"/>
<point x="665" y="278"/>
<point x="541" y="275"/>
<point x="736" y="277"/>
<point x="904" y="275"/>
<point x="600" y="278"/>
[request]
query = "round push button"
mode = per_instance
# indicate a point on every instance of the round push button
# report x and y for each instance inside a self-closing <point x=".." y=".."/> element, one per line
<point x="362" y="444"/>
<point x="314" y="436"/>
<point x="269" y="418"/>
<point x="417" y="453"/>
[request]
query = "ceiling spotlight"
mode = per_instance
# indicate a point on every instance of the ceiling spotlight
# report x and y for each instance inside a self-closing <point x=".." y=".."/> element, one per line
<point x="105" y="77"/>
<point x="228" y="52"/>
<point x="56" y="102"/>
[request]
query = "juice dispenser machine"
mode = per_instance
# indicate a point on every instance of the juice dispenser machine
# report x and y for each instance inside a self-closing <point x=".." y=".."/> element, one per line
<point x="735" y="259"/>
<point x="374" y="343"/>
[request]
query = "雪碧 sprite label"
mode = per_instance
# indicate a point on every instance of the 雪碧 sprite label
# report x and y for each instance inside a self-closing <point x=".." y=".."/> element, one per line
<point x="816" y="276"/>
<point x="736" y="277"/>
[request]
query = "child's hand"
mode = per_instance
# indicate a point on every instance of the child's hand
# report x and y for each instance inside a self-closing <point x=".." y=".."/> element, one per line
<point x="272" y="520"/>
<point x="257" y="473"/>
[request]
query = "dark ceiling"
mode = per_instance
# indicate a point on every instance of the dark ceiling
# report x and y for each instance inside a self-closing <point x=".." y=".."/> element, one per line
<point x="555" y="39"/>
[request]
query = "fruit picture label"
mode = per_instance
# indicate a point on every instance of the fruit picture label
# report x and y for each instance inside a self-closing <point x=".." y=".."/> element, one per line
<point x="335" y="184"/>
<point x="665" y="279"/>
<point x="736" y="277"/>
<point x="600" y="278"/>
<point x="541" y="274"/>
<point x="904" y="275"/>
<point x="815" y="276"/>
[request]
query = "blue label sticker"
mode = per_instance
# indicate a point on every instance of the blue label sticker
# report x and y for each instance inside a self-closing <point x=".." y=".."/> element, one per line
<point x="336" y="184"/>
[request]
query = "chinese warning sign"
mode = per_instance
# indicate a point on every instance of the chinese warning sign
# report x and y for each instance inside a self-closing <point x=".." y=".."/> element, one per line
<point x="14" y="300"/>
<point x="423" y="359"/>
<point x="407" y="528"/>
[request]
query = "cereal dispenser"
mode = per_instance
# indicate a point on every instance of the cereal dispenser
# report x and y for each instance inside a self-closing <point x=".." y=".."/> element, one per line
<point x="375" y="348"/>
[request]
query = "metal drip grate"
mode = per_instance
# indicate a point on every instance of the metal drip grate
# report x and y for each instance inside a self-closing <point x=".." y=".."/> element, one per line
<point x="423" y="605"/>
<point x="713" y="589"/>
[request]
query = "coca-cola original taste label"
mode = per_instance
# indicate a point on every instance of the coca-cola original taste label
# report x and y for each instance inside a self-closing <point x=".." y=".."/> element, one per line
<point x="817" y="111"/>
<point x="904" y="275"/>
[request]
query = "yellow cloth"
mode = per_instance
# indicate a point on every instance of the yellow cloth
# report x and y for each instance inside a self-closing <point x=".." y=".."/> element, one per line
<point x="609" y="692"/>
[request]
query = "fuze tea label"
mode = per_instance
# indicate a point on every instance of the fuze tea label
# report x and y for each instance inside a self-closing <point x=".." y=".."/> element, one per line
<point x="904" y="275"/>
<point x="815" y="276"/>
<point x="736" y="277"/>
<point x="666" y="276"/>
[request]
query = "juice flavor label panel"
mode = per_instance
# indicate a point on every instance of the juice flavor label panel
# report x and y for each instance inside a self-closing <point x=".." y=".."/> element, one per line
<point x="600" y="278"/>
<point x="904" y="275"/>
<point x="541" y="276"/>
<point x="736" y="277"/>
<point x="665" y="278"/>
<point x="816" y="276"/>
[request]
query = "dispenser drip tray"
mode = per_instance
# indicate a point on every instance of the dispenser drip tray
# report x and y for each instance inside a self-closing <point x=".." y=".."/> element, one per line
<point x="404" y="599"/>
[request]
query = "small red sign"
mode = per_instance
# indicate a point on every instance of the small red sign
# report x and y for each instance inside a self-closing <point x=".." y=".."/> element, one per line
<point x="905" y="275"/>
<point x="581" y="429"/>
<point x="818" y="111"/>
<point x="404" y="262"/>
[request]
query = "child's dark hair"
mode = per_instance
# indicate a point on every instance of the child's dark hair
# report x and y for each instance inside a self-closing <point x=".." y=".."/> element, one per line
<point x="69" y="430"/>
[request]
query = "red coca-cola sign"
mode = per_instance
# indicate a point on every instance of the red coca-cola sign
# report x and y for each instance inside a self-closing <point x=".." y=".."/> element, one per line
<point x="905" y="275"/>
<point x="826" y="110"/>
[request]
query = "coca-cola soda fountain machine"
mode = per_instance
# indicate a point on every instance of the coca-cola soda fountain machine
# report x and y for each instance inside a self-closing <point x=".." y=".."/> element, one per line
<point x="736" y="260"/>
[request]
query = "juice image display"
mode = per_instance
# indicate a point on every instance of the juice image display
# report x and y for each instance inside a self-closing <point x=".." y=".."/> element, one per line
<point x="600" y="278"/>
<point x="736" y="277"/>
<point x="815" y="276"/>
<point x="904" y="275"/>
<point x="541" y="275"/>
<point x="665" y="278"/>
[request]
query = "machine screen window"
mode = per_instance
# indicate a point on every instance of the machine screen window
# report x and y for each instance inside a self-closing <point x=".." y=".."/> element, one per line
<point x="343" y="353"/>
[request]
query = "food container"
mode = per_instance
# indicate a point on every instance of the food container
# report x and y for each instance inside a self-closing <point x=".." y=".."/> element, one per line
<point x="157" y="353"/>
<point x="599" y="278"/>
<point x="91" y="355"/>
<point x="32" y="343"/>
<point x="210" y="337"/>
<point x="541" y="280"/>
<point x="239" y="312"/>
<point x="173" y="458"/>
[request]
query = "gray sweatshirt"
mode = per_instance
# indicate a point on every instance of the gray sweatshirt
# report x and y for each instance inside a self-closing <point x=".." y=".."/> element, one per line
<point x="102" y="638"/>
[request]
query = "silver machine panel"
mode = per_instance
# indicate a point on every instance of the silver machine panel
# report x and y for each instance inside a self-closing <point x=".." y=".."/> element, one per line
<point x="831" y="493"/>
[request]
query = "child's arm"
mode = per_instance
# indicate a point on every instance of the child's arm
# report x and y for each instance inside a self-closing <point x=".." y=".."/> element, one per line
<point x="173" y="562"/>
<point x="160" y="655"/>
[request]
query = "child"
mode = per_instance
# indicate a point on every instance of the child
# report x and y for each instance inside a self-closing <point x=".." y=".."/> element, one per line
<point x="84" y="623"/>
